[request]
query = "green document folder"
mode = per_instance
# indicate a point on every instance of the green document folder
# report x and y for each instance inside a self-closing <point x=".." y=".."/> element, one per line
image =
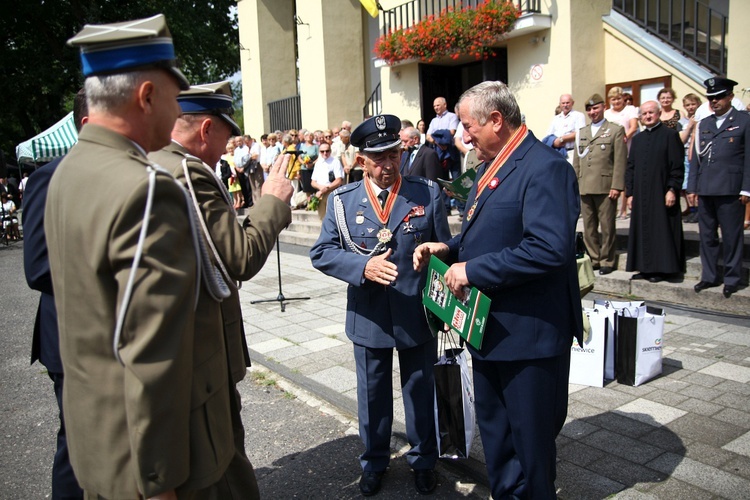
<point x="461" y="185"/>
<point x="468" y="318"/>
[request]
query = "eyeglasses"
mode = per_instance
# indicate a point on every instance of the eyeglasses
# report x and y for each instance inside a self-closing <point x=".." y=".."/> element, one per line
<point x="716" y="97"/>
<point x="325" y="150"/>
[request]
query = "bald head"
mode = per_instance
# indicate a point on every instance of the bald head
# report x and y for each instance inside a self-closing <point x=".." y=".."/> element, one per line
<point x="566" y="103"/>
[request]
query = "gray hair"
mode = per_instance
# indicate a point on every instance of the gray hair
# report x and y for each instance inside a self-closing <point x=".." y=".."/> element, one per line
<point x="487" y="97"/>
<point x="286" y="139"/>
<point x="412" y="133"/>
<point x="110" y="92"/>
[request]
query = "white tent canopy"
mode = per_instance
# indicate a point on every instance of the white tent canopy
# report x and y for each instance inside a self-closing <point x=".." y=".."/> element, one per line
<point x="50" y="144"/>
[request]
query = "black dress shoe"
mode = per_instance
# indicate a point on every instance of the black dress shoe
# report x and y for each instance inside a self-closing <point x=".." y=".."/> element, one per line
<point x="639" y="276"/>
<point x="703" y="285"/>
<point x="369" y="483"/>
<point x="605" y="270"/>
<point x="729" y="290"/>
<point x="425" y="481"/>
<point x="655" y="278"/>
<point x="596" y="267"/>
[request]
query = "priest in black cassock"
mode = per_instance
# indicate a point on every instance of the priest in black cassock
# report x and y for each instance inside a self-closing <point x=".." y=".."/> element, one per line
<point x="653" y="179"/>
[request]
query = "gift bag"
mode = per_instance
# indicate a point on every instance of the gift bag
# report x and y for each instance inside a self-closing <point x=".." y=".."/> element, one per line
<point x="454" y="405"/>
<point x="639" y="346"/>
<point x="593" y="362"/>
<point x="586" y="278"/>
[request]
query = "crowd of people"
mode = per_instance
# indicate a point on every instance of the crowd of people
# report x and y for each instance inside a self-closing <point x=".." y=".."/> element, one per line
<point x="651" y="158"/>
<point x="145" y="345"/>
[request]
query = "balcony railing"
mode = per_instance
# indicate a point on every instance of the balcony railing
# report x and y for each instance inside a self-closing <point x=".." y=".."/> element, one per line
<point x="410" y="13"/>
<point x="690" y="26"/>
<point x="285" y="113"/>
<point x="373" y="105"/>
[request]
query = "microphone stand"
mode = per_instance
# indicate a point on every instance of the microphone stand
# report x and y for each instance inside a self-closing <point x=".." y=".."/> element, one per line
<point x="280" y="297"/>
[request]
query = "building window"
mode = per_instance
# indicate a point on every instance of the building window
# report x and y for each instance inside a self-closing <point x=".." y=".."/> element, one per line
<point x="643" y="90"/>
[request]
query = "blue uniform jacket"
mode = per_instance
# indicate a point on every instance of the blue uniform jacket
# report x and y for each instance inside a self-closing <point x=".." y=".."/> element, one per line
<point x="519" y="249"/>
<point x="380" y="316"/>
<point x="45" y="345"/>
<point x="724" y="168"/>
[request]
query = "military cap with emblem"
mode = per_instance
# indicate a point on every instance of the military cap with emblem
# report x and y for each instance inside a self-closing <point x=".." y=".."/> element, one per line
<point x="210" y="99"/>
<point x="377" y="134"/>
<point x="594" y="100"/>
<point x="108" y="49"/>
<point x="718" y="85"/>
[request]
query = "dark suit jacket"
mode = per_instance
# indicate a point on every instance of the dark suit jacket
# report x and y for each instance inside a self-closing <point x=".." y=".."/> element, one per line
<point x="425" y="164"/>
<point x="724" y="168"/>
<point x="519" y="249"/>
<point x="45" y="345"/>
<point x="380" y="316"/>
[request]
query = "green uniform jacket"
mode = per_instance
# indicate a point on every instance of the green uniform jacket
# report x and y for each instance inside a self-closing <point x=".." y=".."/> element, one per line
<point x="160" y="419"/>
<point x="602" y="167"/>
<point x="243" y="248"/>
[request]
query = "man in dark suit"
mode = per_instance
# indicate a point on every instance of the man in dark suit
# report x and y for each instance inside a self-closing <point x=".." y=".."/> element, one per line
<point x="517" y="245"/>
<point x="369" y="233"/>
<point x="419" y="159"/>
<point x="720" y="177"/>
<point x="45" y="345"/>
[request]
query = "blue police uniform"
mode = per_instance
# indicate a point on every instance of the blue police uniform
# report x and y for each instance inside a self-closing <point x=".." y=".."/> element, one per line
<point x="718" y="173"/>
<point x="380" y="318"/>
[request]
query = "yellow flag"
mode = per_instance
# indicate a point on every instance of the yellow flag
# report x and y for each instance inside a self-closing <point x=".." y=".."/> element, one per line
<point x="371" y="6"/>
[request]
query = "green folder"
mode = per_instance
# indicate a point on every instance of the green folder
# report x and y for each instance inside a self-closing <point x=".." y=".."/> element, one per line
<point x="468" y="318"/>
<point x="461" y="185"/>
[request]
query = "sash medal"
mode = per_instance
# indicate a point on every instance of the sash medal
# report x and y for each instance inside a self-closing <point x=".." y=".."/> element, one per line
<point x="383" y="213"/>
<point x="488" y="177"/>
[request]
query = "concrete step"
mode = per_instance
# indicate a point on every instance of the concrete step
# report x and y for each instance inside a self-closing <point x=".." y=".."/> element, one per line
<point x="675" y="292"/>
<point x="693" y="267"/>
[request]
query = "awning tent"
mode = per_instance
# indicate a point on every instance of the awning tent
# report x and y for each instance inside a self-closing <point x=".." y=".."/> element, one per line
<point x="50" y="144"/>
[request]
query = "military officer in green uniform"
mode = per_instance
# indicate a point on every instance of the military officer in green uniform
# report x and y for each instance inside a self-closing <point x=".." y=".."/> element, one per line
<point x="599" y="160"/>
<point x="146" y="403"/>
<point x="234" y="252"/>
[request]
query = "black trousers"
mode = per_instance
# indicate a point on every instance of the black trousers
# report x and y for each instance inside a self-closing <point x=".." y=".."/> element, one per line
<point x="64" y="482"/>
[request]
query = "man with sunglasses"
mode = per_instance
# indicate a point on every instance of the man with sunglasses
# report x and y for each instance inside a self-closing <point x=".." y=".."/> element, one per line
<point x="720" y="178"/>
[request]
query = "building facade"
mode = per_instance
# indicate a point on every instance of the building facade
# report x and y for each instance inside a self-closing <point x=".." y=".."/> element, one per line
<point x="310" y="62"/>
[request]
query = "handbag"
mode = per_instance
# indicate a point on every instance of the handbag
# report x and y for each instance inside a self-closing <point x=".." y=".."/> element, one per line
<point x="455" y="416"/>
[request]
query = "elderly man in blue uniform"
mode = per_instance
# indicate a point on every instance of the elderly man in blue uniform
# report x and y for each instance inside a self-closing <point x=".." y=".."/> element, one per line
<point x="369" y="234"/>
<point x="517" y="245"/>
<point x="720" y="177"/>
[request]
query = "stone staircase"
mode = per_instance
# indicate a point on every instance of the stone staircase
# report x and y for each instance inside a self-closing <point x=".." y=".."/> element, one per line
<point x="305" y="228"/>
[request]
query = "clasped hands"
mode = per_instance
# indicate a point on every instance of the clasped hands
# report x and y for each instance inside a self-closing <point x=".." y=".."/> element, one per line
<point x="380" y="270"/>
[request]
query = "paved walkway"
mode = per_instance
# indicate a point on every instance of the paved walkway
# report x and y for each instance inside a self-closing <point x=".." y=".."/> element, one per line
<point x="685" y="434"/>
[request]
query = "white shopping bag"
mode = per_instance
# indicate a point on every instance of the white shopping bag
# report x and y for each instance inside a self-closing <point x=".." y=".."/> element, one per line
<point x="590" y="364"/>
<point x="639" y="346"/>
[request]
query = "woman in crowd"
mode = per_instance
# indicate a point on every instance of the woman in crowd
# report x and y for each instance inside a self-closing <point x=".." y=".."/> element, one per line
<point x="422" y="131"/>
<point x="627" y="117"/>
<point x="233" y="183"/>
<point x="690" y="102"/>
<point x="670" y="117"/>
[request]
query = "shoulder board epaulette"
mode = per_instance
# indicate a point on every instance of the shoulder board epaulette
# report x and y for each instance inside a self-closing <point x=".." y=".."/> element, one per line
<point x="418" y="180"/>
<point x="346" y="188"/>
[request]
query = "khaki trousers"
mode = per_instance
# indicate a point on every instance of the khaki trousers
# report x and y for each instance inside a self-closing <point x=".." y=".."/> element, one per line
<point x="599" y="210"/>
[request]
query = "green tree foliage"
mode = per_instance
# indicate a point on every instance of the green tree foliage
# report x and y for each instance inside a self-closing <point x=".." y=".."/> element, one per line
<point x="40" y="73"/>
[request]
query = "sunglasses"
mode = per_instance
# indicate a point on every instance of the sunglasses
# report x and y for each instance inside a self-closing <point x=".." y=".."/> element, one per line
<point x="325" y="150"/>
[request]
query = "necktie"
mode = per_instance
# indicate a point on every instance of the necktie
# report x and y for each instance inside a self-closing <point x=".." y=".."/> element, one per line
<point x="383" y="196"/>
